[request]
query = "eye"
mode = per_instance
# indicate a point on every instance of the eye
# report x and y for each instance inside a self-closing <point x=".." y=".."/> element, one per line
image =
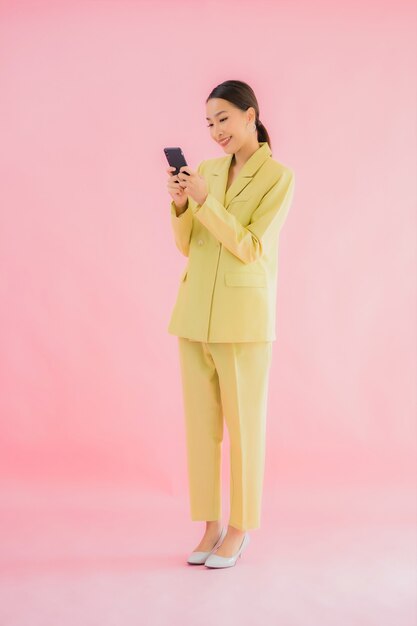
<point x="222" y="120"/>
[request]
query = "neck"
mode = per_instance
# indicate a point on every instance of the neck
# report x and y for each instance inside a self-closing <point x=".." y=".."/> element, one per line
<point x="244" y="153"/>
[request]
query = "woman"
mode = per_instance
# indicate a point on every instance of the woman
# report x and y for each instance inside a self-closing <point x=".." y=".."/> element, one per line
<point x="226" y="218"/>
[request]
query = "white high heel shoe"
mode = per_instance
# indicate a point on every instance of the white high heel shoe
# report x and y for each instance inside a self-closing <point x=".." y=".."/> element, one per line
<point x="199" y="557"/>
<point x="214" y="560"/>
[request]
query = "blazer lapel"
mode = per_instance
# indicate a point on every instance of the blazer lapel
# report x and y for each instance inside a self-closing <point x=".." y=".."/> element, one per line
<point x="219" y="176"/>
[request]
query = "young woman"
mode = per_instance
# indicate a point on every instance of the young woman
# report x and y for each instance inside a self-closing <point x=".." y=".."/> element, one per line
<point x="226" y="218"/>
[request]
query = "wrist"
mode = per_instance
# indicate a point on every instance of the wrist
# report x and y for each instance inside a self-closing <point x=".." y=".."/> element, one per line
<point x="204" y="199"/>
<point x="180" y="209"/>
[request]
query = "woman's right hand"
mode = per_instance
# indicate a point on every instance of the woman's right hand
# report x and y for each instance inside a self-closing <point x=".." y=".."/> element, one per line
<point x="175" y="190"/>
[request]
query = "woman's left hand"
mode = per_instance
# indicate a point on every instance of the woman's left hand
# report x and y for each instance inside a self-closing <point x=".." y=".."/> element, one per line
<point x="194" y="185"/>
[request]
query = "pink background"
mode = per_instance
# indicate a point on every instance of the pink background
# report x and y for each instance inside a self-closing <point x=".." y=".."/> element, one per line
<point x="90" y="397"/>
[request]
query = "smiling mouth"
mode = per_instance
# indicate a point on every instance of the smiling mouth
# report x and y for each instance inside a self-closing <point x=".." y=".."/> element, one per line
<point x="224" y="141"/>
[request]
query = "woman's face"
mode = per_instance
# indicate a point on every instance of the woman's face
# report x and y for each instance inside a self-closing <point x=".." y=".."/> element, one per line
<point x="224" y="120"/>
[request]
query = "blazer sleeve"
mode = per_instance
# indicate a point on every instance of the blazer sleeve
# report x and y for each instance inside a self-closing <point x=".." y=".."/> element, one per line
<point x="182" y="225"/>
<point x="247" y="243"/>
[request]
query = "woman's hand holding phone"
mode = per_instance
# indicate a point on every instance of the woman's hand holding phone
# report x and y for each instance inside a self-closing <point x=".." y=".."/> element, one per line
<point x="176" y="191"/>
<point x="186" y="183"/>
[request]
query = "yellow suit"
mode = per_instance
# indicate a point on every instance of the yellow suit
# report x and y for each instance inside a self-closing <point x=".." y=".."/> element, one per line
<point x="224" y="317"/>
<point x="227" y="291"/>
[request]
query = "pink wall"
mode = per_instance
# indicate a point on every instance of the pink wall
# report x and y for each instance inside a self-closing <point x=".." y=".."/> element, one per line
<point x="90" y="95"/>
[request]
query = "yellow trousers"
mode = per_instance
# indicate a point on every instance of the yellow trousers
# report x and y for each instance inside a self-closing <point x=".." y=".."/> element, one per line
<point x="227" y="380"/>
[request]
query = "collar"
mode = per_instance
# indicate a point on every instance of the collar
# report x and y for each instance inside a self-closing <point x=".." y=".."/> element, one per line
<point x="245" y="175"/>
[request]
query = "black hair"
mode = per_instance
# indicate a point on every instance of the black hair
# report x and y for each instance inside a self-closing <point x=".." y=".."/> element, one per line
<point x="242" y="96"/>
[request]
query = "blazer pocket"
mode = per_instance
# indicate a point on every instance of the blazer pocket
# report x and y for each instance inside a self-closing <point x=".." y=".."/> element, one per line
<point x="245" y="279"/>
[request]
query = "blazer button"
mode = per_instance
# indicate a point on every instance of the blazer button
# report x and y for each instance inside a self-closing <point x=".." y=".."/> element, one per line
<point x="200" y="242"/>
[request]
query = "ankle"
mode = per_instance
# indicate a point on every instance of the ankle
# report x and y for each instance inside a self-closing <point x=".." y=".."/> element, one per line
<point x="232" y="530"/>
<point x="213" y="525"/>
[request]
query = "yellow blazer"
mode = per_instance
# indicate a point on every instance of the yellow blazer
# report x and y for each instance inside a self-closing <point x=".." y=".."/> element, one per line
<point x="227" y="291"/>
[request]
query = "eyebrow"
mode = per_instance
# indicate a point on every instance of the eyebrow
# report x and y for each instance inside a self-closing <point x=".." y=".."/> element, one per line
<point x="207" y="118"/>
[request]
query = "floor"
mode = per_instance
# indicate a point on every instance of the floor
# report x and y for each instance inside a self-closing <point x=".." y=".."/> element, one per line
<point x="76" y="555"/>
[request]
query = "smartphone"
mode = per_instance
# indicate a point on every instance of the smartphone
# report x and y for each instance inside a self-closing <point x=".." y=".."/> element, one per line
<point x="175" y="158"/>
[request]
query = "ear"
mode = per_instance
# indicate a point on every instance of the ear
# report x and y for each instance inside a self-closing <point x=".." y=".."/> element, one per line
<point x="250" y="114"/>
